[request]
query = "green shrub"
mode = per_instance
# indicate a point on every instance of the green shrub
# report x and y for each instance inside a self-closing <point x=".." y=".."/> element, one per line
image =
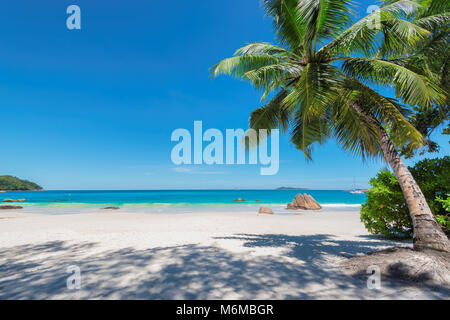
<point x="385" y="211"/>
<point x="443" y="220"/>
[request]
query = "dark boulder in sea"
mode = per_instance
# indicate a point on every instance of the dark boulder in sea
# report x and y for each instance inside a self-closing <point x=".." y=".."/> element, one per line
<point x="10" y="207"/>
<point x="264" y="210"/>
<point x="303" y="202"/>
<point x="111" y="208"/>
<point x="14" y="200"/>
<point x="239" y="200"/>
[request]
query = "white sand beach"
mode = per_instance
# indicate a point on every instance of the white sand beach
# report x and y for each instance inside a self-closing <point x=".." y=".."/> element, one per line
<point x="220" y="255"/>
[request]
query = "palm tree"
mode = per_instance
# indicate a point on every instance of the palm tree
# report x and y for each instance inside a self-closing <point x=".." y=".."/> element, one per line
<point x="319" y="79"/>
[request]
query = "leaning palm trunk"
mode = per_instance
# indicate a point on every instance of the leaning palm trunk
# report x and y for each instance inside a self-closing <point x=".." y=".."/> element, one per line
<point x="428" y="235"/>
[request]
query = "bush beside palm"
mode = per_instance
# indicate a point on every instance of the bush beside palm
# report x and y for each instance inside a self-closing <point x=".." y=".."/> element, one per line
<point x="386" y="212"/>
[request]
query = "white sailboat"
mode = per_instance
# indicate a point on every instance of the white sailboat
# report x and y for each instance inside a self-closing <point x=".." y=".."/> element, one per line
<point x="355" y="190"/>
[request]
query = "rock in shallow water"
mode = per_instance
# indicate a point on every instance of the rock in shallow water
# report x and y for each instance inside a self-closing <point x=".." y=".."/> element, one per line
<point x="304" y="202"/>
<point x="264" y="210"/>
<point x="10" y="207"/>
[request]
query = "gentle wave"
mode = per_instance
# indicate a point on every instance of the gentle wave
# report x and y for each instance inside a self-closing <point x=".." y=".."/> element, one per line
<point x="172" y="205"/>
<point x="340" y="205"/>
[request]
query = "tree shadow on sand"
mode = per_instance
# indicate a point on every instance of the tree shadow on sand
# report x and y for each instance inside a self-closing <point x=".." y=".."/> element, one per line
<point x="191" y="271"/>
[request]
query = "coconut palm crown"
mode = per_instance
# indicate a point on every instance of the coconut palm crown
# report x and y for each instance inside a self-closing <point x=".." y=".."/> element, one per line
<point x="324" y="63"/>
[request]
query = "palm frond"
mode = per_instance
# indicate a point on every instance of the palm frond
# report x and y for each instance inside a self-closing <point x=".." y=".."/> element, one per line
<point x="273" y="77"/>
<point x="386" y="111"/>
<point x="433" y="21"/>
<point x="308" y="131"/>
<point x="366" y="36"/>
<point x="238" y="66"/>
<point x="353" y="132"/>
<point x="317" y="83"/>
<point x="273" y="115"/>
<point x="256" y="48"/>
<point x="266" y="66"/>
<point x="412" y="88"/>
<point x="287" y="23"/>
<point x="310" y="97"/>
<point x="324" y="19"/>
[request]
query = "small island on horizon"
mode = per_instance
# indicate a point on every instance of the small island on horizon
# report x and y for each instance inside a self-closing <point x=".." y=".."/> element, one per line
<point x="291" y="188"/>
<point x="11" y="183"/>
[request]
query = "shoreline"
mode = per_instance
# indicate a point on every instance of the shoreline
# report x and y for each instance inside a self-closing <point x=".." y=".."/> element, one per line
<point x="171" y="208"/>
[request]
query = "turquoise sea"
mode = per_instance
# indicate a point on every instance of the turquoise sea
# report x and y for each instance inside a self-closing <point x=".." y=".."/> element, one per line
<point x="184" y="200"/>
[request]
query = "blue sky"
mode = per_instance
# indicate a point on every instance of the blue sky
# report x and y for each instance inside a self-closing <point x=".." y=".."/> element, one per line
<point x="95" y="108"/>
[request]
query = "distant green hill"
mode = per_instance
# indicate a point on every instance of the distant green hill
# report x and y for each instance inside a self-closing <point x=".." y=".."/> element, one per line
<point x="14" y="183"/>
